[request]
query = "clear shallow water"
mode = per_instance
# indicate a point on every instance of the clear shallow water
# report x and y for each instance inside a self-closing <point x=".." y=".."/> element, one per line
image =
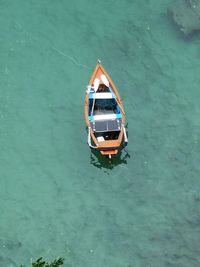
<point x="56" y="197"/>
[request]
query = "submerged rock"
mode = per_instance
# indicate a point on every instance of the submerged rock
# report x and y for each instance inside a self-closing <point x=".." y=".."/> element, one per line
<point x="186" y="14"/>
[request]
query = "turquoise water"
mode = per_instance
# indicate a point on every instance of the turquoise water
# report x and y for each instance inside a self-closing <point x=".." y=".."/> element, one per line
<point x="57" y="198"/>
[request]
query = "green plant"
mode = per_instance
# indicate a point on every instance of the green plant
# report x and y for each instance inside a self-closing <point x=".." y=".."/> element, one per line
<point x="42" y="263"/>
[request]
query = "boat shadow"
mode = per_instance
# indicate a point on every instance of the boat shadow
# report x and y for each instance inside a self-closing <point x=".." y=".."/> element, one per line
<point x="100" y="161"/>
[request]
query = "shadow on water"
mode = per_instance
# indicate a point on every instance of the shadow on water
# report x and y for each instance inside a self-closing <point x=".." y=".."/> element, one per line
<point x="100" y="161"/>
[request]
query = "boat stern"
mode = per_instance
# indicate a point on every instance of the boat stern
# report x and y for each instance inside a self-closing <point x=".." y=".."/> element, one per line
<point x="109" y="152"/>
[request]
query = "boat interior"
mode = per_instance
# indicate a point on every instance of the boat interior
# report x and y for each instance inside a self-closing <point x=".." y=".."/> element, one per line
<point x="103" y="106"/>
<point x="103" y="88"/>
<point x="104" y="136"/>
<point x="104" y="102"/>
<point x="104" y="109"/>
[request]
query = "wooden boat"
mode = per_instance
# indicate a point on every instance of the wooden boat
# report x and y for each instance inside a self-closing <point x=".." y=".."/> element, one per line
<point x="104" y="114"/>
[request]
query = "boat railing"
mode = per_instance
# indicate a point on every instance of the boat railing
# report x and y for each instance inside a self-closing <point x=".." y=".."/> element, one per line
<point x="125" y="135"/>
<point x="89" y="139"/>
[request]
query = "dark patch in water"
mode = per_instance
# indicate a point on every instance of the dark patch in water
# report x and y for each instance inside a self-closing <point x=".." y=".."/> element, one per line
<point x="10" y="244"/>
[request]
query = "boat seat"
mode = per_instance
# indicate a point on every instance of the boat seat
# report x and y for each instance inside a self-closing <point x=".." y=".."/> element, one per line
<point x="101" y="95"/>
<point x="111" y="116"/>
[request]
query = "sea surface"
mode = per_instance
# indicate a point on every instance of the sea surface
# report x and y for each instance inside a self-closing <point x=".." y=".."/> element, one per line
<point x="57" y="197"/>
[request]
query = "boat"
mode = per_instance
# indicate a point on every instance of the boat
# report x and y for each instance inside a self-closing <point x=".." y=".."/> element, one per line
<point x="104" y="114"/>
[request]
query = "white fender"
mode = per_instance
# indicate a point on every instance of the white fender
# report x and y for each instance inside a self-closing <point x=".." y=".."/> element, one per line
<point x="96" y="84"/>
<point x="104" y="80"/>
